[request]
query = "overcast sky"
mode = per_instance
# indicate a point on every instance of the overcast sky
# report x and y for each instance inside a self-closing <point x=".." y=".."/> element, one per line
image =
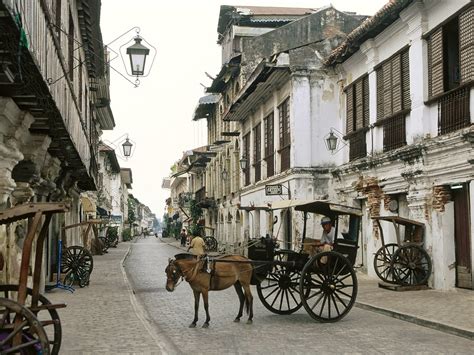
<point x="158" y="114"/>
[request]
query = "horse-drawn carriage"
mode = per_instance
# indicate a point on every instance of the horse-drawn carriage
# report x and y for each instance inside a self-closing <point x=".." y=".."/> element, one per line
<point x="325" y="283"/>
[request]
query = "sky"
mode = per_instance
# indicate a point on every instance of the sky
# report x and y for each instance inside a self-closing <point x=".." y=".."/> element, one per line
<point x="157" y="115"/>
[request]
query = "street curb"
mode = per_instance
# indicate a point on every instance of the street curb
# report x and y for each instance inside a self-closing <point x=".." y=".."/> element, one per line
<point x="464" y="333"/>
<point x="164" y="345"/>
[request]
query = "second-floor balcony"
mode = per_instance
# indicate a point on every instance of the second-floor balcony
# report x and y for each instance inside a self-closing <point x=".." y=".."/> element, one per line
<point x="453" y="110"/>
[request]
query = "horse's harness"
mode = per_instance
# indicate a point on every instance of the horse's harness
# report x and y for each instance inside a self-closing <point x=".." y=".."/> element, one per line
<point x="176" y="274"/>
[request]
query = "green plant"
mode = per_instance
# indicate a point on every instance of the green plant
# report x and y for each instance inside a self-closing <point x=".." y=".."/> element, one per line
<point x="126" y="235"/>
<point x="196" y="213"/>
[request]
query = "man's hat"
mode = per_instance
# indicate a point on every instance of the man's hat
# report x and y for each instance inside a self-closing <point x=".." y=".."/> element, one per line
<point x="325" y="220"/>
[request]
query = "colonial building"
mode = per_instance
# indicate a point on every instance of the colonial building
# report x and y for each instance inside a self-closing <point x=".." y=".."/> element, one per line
<point x="53" y="106"/>
<point x="406" y="102"/>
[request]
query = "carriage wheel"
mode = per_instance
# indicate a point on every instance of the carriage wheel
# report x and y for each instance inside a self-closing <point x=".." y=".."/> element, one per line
<point x="211" y="243"/>
<point x="79" y="262"/>
<point x="411" y="265"/>
<point x="383" y="262"/>
<point x="33" y="337"/>
<point x="328" y="286"/>
<point x="279" y="290"/>
<point x="49" y="320"/>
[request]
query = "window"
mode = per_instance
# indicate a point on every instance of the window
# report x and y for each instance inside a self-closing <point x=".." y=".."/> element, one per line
<point x="246" y="154"/>
<point x="284" y="125"/>
<point x="269" y="144"/>
<point x="451" y="70"/>
<point x="357" y="117"/>
<point x="71" y="48"/>
<point x="257" y="151"/>
<point x="393" y="99"/>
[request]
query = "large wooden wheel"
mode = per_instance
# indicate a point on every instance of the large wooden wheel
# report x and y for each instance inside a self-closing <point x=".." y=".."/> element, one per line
<point x="279" y="290"/>
<point x="77" y="262"/>
<point x="211" y="243"/>
<point x="383" y="262"/>
<point x="328" y="286"/>
<point x="20" y="331"/>
<point x="411" y="265"/>
<point x="47" y="315"/>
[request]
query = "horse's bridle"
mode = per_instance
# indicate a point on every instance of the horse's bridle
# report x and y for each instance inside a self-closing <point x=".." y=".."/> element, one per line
<point x="176" y="274"/>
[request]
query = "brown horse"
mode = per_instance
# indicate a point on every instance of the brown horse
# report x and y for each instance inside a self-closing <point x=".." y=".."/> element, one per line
<point x="236" y="272"/>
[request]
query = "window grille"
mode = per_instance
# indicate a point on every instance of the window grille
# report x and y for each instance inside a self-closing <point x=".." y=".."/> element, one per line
<point x="357" y="116"/>
<point x="284" y="125"/>
<point x="269" y="144"/>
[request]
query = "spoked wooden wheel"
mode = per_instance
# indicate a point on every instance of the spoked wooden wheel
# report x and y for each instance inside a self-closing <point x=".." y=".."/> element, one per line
<point x="78" y="261"/>
<point x="411" y="265"/>
<point x="328" y="286"/>
<point x="48" y="317"/>
<point x="279" y="291"/>
<point x="383" y="262"/>
<point x="211" y="243"/>
<point x="24" y="337"/>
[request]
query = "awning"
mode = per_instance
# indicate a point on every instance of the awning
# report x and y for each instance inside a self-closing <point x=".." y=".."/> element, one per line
<point x="255" y="208"/>
<point x="87" y="204"/>
<point x="102" y="212"/>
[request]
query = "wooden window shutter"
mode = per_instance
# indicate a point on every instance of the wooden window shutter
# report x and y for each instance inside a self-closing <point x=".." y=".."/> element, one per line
<point x="349" y="109"/>
<point x="406" y="80"/>
<point x="466" y="44"/>
<point x="380" y="107"/>
<point x="435" y="63"/>
<point x="366" y="100"/>
<point x="387" y="89"/>
<point x="359" y="107"/>
<point x="396" y="84"/>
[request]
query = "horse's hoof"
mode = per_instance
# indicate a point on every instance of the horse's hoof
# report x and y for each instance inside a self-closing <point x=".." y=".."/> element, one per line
<point x="236" y="320"/>
<point x="205" y="325"/>
<point x="249" y="321"/>
<point x="192" y="325"/>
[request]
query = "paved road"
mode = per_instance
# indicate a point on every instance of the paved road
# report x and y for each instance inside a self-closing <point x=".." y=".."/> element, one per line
<point x="360" y="332"/>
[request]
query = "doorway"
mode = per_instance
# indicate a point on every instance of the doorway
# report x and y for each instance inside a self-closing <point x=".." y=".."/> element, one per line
<point x="462" y="237"/>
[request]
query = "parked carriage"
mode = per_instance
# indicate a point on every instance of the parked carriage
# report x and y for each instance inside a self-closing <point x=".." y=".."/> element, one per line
<point x="325" y="284"/>
<point x="405" y="262"/>
<point x="30" y="323"/>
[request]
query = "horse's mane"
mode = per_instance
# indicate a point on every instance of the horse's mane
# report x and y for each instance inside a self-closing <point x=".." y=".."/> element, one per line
<point x="190" y="268"/>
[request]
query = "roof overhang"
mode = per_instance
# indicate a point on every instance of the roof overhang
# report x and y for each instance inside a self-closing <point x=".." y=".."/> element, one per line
<point x="126" y="176"/>
<point x="265" y="77"/>
<point x="228" y="71"/>
<point x="206" y="106"/>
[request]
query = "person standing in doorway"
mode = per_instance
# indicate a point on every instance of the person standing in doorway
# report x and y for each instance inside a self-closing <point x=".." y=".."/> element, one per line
<point x="183" y="237"/>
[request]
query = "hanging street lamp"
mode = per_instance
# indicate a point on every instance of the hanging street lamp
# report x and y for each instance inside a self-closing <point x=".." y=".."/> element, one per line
<point x="243" y="163"/>
<point x="138" y="53"/>
<point x="127" y="148"/>
<point x="331" y="142"/>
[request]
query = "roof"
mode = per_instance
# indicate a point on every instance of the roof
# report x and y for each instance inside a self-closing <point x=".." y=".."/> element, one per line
<point x="205" y="106"/>
<point x="399" y="220"/>
<point x="227" y="72"/>
<point x="370" y="28"/>
<point x="323" y="207"/>
<point x="258" y="15"/>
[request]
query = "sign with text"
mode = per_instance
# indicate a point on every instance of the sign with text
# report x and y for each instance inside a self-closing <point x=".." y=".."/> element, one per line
<point x="271" y="190"/>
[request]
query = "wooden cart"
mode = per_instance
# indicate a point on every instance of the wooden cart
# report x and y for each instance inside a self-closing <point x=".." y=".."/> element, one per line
<point x="23" y="324"/>
<point x="405" y="262"/>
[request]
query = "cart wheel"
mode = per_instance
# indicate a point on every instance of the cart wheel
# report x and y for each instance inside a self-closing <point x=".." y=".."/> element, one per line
<point x="49" y="320"/>
<point x="32" y="335"/>
<point x="328" y="286"/>
<point x="411" y="265"/>
<point x="211" y="243"/>
<point x="79" y="261"/>
<point x="279" y="290"/>
<point x="383" y="262"/>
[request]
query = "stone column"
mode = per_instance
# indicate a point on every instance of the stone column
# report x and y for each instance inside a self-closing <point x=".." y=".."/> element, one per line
<point x="300" y="120"/>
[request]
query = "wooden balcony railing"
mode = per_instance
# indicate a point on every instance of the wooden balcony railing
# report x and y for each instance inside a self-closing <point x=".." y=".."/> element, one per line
<point x="453" y="110"/>
<point x="394" y="134"/>
<point x="357" y="145"/>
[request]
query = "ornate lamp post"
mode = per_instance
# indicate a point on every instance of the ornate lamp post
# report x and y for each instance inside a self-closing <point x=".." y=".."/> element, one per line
<point x="138" y="53"/>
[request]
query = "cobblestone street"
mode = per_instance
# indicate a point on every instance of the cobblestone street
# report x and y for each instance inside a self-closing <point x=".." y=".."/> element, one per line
<point x="360" y="332"/>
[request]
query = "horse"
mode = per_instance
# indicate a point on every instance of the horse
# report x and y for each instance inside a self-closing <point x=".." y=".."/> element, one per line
<point x="237" y="272"/>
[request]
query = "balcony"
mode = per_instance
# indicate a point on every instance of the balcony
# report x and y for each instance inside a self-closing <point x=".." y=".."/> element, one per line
<point x="453" y="110"/>
<point x="394" y="134"/>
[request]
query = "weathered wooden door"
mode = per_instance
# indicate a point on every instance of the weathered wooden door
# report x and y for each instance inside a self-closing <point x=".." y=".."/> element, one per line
<point x="462" y="238"/>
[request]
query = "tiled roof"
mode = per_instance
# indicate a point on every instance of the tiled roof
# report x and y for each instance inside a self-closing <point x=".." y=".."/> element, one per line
<point x="368" y="29"/>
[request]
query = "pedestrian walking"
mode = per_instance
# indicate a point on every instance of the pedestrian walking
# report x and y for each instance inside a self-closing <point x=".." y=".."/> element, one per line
<point x="197" y="245"/>
<point x="183" y="237"/>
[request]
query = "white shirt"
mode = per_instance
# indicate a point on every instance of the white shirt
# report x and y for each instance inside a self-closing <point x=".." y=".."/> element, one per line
<point x="328" y="238"/>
